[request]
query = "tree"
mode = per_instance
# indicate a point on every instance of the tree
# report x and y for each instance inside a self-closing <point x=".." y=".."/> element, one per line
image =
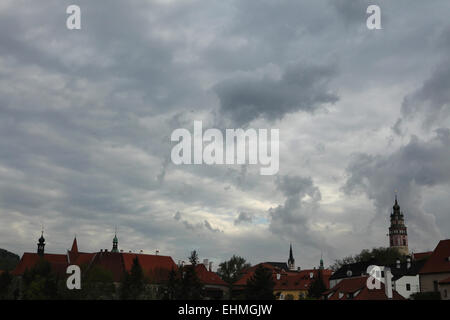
<point x="260" y="285"/>
<point x="8" y="260"/>
<point x="191" y="286"/>
<point x="134" y="282"/>
<point x="317" y="287"/>
<point x="98" y="284"/>
<point x="5" y="284"/>
<point x="40" y="283"/>
<point x="380" y="256"/>
<point x="231" y="271"/>
<point x="173" y="286"/>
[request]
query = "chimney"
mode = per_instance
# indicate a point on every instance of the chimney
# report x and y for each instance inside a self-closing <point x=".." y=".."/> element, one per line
<point x="388" y="282"/>
<point x="408" y="263"/>
<point x="210" y="266"/>
<point x="205" y="263"/>
<point x="398" y="264"/>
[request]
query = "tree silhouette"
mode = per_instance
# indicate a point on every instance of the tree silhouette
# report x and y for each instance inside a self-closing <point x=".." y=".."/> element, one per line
<point x="260" y="285"/>
<point x="134" y="282"/>
<point x="230" y="271"/>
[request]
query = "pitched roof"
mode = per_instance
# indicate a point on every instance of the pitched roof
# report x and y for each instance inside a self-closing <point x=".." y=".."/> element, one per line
<point x="356" y="269"/>
<point x="208" y="277"/>
<point x="58" y="262"/>
<point x="299" y="280"/>
<point x="413" y="269"/>
<point x="356" y="289"/>
<point x="148" y="261"/>
<point x="421" y="255"/>
<point x="439" y="261"/>
<point x="281" y="265"/>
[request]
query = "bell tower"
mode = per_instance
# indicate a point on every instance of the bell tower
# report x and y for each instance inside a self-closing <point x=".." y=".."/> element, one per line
<point x="398" y="235"/>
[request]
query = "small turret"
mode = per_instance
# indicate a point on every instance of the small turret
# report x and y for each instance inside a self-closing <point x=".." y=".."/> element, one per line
<point x="41" y="244"/>
<point x="115" y="247"/>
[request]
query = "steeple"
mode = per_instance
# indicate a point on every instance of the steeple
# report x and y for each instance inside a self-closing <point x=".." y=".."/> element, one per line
<point x="41" y="244"/>
<point x="321" y="262"/>
<point x="291" y="261"/>
<point x="115" y="247"/>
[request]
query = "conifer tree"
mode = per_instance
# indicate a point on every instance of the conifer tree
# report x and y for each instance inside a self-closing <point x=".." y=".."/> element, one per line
<point x="260" y="285"/>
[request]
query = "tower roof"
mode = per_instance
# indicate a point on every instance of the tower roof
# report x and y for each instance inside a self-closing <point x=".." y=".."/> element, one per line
<point x="291" y="256"/>
<point x="74" y="245"/>
<point x="42" y="239"/>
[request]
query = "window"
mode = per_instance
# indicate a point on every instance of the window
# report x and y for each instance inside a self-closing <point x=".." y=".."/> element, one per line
<point x="408" y="287"/>
<point x="435" y="285"/>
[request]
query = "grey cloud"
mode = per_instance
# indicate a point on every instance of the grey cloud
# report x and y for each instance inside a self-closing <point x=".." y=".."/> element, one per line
<point x="243" y="217"/>
<point x="300" y="88"/>
<point x="206" y="225"/>
<point x="432" y="99"/>
<point x="292" y="220"/>
<point x="410" y="169"/>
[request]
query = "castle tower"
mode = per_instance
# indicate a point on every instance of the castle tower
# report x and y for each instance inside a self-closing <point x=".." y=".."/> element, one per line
<point x="41" y="245"/>
<point x="291" y="261"/>
<point x="398" y="236"/>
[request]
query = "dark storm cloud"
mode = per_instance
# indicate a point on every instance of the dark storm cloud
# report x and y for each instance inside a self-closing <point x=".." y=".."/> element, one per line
<point x="300" y="88"/>
<point x="292" y="220"/>
<point x="432" y="99"/>
<point x="409" y="170"/>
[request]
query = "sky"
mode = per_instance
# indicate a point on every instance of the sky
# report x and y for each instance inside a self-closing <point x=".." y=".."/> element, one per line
<point x="86" y="118"/>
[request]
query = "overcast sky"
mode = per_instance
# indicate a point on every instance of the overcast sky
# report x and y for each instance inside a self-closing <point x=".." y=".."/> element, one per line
<point x="86" y="117"/>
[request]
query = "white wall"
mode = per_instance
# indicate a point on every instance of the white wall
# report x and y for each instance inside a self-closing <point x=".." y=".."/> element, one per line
<point x="400" y="285"/>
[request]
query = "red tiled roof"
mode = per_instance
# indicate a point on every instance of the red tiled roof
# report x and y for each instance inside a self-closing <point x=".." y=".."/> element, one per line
<point x="148" y="261"/>
<point x="82" y="258"/>
<point x="208" y="277"/>
<point x="156" y="267"/>
<point x="248" y="273"/>
<point x="356" y="289"/>
<point x="445" y="281"/>
<point x="58" y="262"/>
<point x="439" y="260"/>
<point x="111" y="261"/>
<point x="290" y="280"/>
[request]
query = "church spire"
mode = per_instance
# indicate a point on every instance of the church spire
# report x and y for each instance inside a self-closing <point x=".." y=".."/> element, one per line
<point x="321" y="262"/>
<point x="291" y="261"/>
